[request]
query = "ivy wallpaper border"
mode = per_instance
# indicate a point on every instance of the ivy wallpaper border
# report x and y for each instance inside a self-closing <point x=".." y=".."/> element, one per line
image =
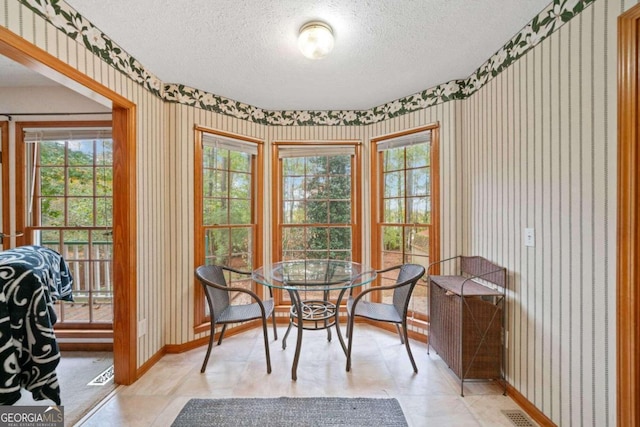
<point x="75" y="26"/>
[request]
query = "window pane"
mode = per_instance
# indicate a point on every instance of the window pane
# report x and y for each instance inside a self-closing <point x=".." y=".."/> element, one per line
<point x="104" y="152"/>
<point x="241" y="241"/>
<point x="293" y="189"/>
<point x="342" y="256"/>
<point x="340" y="187"/>
<point x="393" y="159"/>
<point x="406" y="198"/>
<point x="417" y="210"/>
<point x="316" y="165"/>
<point x="340" y="212"/>
<point x="50" y="238"/>
<point x="390" y="259"/>
<point x="418" y="242"/>
<point x="340" y="165"/>
<point x="418" y="155"/>
<point x="85" y="177"/>
<point x="216" y="244"/>
<point x="52" y="211"/>
<point x="293" y="239"/>
<point x="102" y="245"/>
<point x="340" y="238"/>
<point x="240" y="185"/>
<point x="220" y="159"/>
<point x="215" y="212"/>
<point x="392" y="239"/>
<point x="240" y="211"/>
<point x="394" y="184"/>
<point x="52" y="181"/>
<point x="318" y="193"/>
<point x="317" y="212"/>
<point x="76" y="244"/>
<point x="80" y="152"/>
<point x="293" y="212"/>
<point x="104" y="211"/>
<point x="52" y="153"/>
<point x="318" y="238"/>
<point x="215" y="183"/>
<point x="208" y="157"/>
<point x="418" y="182"/>
<point x="393" y="211"/>
<point x="317" y="188"/>
<point x="80" y="212"/>
<point x="293" y="166"/>
<point x="104" y="181"/>
<point x="227" y="191"/>
<point x="80" y="182"/>
<point x="240" y="162"/>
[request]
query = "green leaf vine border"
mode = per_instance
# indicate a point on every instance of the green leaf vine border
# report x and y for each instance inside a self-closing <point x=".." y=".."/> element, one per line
<point x="75" y="26"/>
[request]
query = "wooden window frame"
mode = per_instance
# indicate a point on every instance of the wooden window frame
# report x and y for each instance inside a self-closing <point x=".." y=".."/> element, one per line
<point x="201" y="319"/>
<point x="277" y="197"/>
<point x="377" y="205"/>
<point x="87" y="327"/>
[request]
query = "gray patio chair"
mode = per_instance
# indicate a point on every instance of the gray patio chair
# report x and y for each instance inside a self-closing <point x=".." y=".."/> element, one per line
<point x="396" y="312"/>
<point x="223" y="312"/>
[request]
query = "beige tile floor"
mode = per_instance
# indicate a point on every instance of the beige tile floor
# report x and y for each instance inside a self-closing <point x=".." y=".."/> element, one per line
<point x="237" y="368"/>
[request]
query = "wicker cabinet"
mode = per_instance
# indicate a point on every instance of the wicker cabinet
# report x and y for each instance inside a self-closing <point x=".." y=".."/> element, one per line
<point x="466" y="318"/>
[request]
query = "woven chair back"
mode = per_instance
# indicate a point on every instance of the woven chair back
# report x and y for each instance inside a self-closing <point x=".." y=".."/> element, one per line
<point x="409" y="273"/>
<point x="214" y="284"/>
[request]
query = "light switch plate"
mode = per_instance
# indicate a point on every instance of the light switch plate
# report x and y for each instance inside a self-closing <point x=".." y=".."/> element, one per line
<point x="529" y="237"/>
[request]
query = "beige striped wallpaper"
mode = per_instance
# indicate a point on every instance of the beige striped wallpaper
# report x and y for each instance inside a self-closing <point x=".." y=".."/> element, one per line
<point x="539" y="151"/>
<point x="536" y="147"/>
<point x="152" y="172"/>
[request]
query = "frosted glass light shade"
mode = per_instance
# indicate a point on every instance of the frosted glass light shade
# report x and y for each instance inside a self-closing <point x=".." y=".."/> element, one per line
<point x="315" y="40"/>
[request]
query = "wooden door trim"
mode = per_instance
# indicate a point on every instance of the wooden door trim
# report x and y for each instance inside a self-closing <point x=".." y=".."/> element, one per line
<point x="124" y="202"/>
<point x="4" y="134"/>
<point x="628" y="248"/>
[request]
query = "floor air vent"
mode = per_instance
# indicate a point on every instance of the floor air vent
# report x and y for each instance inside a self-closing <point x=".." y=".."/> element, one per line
<point x="518" y="418"/>
<point x="104" y="377"/>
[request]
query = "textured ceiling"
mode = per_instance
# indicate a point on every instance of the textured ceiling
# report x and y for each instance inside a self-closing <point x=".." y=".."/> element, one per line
<point x="246" y="50"/>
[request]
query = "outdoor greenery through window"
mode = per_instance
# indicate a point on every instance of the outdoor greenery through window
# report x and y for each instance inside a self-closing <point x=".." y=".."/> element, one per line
<point x="406" y="220"/>
<point x="317" y="207"/>
<point x="71" y="208"/>
<point x="228" y="218"/>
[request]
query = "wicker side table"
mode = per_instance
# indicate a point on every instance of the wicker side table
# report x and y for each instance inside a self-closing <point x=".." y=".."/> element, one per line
<point x="466" y="319"/>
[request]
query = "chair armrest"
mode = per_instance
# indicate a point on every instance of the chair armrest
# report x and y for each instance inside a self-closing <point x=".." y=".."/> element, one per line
<point x="245" y="273"/>
<point x="395" y="267"/>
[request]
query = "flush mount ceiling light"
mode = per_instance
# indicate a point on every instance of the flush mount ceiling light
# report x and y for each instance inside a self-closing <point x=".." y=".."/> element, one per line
<point x="315" y="40"/>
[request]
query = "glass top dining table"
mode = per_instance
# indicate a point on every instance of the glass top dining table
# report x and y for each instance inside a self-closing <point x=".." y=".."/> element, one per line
<point x="315" y="277"/>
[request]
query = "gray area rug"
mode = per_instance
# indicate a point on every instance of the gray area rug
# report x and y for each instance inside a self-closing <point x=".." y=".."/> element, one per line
<point x="292" y="411"/>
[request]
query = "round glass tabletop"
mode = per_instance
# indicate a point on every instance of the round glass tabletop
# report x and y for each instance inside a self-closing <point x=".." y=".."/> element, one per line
<point x="314" y="274"/>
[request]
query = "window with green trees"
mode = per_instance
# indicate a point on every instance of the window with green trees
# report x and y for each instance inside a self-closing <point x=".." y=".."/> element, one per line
<point x="405" y="195"/>
<point x="227" y="223"/>
<point x="317" y="208"/>
<point x="227" y="215"/>
<point x="71" y="206"/>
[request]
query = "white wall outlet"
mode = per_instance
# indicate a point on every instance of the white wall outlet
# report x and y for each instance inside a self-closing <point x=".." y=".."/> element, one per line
<point x="529" y="237"/>
<point x="142" y="328"/>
